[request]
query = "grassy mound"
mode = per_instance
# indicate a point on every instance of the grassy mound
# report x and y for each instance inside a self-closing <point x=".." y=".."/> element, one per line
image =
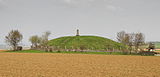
<point x="86" y="43"/>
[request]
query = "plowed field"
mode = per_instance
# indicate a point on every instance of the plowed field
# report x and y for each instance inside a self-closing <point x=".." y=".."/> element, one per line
<point x="2" y="50"/>
<point x="77" y="65"/>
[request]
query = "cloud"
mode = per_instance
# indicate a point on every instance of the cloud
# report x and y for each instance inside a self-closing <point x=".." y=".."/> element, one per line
<point x="114" y="8"/>
<point x="68" y="1"/>
<point x="111" y="7"/>
<point x="3" y="4"/>
<point x="101" y="4"/>
<point x="78" y="3"/>
<point x="1" y="1"/>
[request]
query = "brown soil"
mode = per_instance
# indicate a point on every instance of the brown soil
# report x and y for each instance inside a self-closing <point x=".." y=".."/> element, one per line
<point x="2" y="50"/>
<point x="77" y="65"/>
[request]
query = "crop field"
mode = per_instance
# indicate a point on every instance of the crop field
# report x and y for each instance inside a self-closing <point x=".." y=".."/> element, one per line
<point x="77" y="65"/>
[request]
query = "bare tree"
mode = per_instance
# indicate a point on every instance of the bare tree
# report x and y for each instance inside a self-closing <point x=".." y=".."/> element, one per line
<point x="44" y="38"/>
<point x="35" y="40"/>
<point x="126" y="39"/>
<point x="139" y="40"/>
<point x="121" y="36"/>
<point x="13" y="38"/>
<point x="131" y="41"/>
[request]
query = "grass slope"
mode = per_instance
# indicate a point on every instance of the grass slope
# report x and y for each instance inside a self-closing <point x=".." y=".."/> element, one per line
<point x="85" y="42"/>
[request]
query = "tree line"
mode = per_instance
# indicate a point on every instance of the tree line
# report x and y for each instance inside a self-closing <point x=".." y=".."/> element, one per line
<point x="134" y="41"/>
<point x="14" y="37"/>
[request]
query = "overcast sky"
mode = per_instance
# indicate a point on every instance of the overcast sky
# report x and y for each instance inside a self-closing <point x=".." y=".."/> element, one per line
<point x="93" y="17"/>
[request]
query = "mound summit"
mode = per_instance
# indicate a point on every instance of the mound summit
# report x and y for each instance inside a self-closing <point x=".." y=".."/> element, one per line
<point x="85" y="43"/>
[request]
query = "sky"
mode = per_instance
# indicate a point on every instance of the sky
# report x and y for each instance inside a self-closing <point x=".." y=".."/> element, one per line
<point x="92" y="17"/>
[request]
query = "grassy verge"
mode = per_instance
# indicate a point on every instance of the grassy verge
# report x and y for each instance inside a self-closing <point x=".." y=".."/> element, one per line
<point x="26" y="51"/>
<point x="69" y="52"/>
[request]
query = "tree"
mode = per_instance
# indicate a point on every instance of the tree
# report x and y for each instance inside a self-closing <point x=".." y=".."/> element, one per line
<point x="44" y="38"/>
<point x="121" y="37"/>
<point x="13" y="38"/>
<point x="131" y="41"/>
<point x="35" y="40"/>
<point x="139" y="40"/>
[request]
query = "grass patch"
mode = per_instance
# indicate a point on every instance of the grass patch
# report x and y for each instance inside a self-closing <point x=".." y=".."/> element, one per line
<point x="27" y="51"/>
<point x="69" y="52"/>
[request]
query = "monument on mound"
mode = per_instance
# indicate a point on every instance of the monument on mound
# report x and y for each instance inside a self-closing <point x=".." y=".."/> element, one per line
<point x="77" y="34"/>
